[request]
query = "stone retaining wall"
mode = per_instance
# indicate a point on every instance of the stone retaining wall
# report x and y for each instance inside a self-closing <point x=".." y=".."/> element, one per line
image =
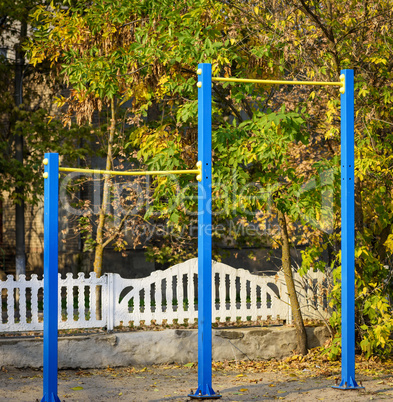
<point x="158" y="347"/>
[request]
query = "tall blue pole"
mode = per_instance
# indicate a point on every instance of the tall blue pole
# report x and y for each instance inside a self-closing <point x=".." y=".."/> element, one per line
<point x="348" y="235"/>
<point x="205" y="390"/>
<point x="51" y="233"/>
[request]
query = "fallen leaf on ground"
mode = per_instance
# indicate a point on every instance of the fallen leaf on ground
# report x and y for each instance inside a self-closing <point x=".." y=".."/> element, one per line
<point x="77" y="388"/>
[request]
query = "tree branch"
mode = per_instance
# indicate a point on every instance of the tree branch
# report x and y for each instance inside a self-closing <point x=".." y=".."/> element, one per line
<point x="306" y="9"/>
<point x="134" y="22"/>
<point x="229" y="104"/>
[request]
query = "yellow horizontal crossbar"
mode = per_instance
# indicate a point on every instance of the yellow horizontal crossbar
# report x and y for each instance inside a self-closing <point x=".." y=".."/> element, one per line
<point x="132" y="173"/>
<point x="341" y="84"/>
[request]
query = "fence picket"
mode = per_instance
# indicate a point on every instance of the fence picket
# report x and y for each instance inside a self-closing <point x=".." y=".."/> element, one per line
<point x="22" y="300"/>
<point x="81" y="297"/>
<point x="10" y="301"/>
<point x="243" y="295"/>
<point x="35" y="284"/>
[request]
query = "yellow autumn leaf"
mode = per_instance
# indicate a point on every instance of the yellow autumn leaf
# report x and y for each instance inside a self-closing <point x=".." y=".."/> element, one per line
<point x="77" y="388"/>
<point x="243" y="389"/>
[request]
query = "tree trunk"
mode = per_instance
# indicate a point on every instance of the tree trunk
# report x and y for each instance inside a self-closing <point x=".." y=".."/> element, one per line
<point x="20" y="257"/>
<point x="286" y="265"/>
<point x="99" y="250"/>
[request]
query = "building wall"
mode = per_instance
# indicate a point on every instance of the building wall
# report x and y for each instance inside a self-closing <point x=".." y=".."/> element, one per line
<point x="71" y="256"/>
<point x="34" y="238"/>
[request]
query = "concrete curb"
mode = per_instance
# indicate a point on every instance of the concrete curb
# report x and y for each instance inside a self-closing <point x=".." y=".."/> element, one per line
<point x="158" y="347"/>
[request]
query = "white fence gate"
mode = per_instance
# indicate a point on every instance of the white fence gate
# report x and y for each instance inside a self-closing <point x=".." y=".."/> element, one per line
<point x="163" y="296"/>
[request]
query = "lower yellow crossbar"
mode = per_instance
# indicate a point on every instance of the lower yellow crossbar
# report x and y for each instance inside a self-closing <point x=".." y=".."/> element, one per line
<point x="198" y="172"/>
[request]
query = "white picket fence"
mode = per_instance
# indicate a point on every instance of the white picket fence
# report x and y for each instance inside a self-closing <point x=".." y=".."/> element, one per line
<point x="163" y="296"/>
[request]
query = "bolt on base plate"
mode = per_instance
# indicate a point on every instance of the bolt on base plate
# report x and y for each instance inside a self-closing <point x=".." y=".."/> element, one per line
<point x="347" y="385"/>
<point x="210" y="395"/>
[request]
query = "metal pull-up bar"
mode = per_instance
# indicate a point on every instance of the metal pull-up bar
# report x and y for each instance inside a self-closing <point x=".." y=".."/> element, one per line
<point x="204" y="175"/>
<point x="204" y="85"/>
<point x="135" y="172"/>
<point x="340" y="84"/>
<point x="197" y="171"/>
<point x="51" y="245"/>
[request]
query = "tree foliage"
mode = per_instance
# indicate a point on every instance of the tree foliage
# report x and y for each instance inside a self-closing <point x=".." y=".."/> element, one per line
<point x="275" y="148"/>
<point x="317" y="40"/>
<point x="31" y="119"/>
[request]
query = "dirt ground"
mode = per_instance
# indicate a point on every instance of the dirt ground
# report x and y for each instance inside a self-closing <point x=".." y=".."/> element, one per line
<point x="173" y="383"/>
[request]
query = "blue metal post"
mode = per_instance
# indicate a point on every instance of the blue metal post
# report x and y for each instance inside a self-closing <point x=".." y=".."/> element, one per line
<point x="51" y="233"/>
<point x="205" y="390"/>
<point x="348" y="235"/>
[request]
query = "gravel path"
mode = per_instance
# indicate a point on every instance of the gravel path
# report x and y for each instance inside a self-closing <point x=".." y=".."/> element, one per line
<point x="173" y="383"/>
